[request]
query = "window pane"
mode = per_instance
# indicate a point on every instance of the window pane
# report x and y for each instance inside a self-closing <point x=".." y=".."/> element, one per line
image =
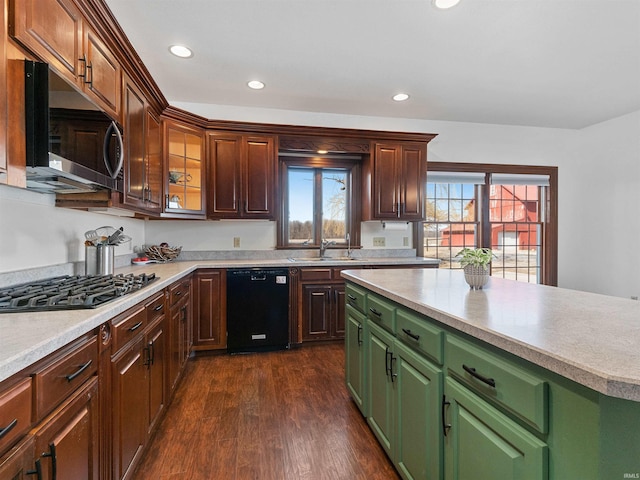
<point x="334" y="205"/>
<point x="300" y="197"/>
<point x="451" y="221"/>
<point x="516" y="232"/>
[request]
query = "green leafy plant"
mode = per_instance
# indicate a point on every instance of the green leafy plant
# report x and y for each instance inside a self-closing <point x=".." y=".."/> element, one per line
<point x="477" y="257"/>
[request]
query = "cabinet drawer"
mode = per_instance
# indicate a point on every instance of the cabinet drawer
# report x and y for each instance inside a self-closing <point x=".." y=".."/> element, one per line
<point x="155" y="308"/>
<point x="15" y="413"/>
<point x="509" y="385"/>
<point x="178" y="291"/>
<point x="420" y="335"/>
<point x="381" y="312"/>
<point x="356" y="298"/>
<point x="125" y="328"/>
<point x="307" y="274"/>
<point x="59" y="379"/>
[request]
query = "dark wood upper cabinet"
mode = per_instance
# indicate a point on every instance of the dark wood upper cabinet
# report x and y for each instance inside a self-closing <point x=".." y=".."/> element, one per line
<point x="241" y="176"/>
<point x="102" y="73"/>
<point x="395" y="182"/>
<point x="134" y="133"/>
<point x="37" y="25"/>
<point x="3" y="100"/>
<point x="56" y="31"/>
<point x="153" y="147"/>
<point x="184" y="154"/>
<point x="143" y="153"/>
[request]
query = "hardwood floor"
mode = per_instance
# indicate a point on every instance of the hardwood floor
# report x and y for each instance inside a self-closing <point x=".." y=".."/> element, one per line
<point x="267" y="416"/>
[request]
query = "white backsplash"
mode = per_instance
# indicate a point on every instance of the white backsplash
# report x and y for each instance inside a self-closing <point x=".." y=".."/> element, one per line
<point x="37" y="234"/>
<point x="196" y="235"/>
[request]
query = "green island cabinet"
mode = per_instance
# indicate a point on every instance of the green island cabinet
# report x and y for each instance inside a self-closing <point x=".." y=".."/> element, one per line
<point x="447" y="406"/>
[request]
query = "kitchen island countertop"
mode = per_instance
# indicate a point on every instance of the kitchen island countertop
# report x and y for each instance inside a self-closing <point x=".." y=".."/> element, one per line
<point x="25" y="338"/>
<point x="591" y="339"/>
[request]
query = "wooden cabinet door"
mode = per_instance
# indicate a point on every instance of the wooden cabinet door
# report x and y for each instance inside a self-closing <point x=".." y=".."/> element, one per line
<point x="175" y="340"/>
<point x="338" y="315"/>
<point x="156" y="365"/>
<point x="399" y="178"/>
<point x="67" y="440"/>
<point x="135" y="170"/>
<point x="316" y="312"/>
<point x="223" y="171"/>
<point x="323" y="315"/>
<point x="130" y="399"/>
<point x="102" y="78"/>
<point x="3" y="99"/>
<point x="184" y="167"/>
<point x="20" y="463"/>
<point x="484" y="444"/>
<point x="413" y="178"/>
<point x="381" y="386"/>
<point x="354" y="357"/>
<point x="241" y="176"/>
<point x="385" y="182"/>
<point x="15" y="412"/>
<point x="38" y="24"/>
<point x="209" y="310"/>
<point x="418" y="448"/>
<point x="259" y="178"/>
<point x="153" y="147"/>
<point x="180" y="339"/>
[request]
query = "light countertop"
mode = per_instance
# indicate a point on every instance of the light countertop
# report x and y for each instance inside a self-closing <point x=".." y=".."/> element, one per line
<point x="28" y="337"/>
<point x="591" y="339"/>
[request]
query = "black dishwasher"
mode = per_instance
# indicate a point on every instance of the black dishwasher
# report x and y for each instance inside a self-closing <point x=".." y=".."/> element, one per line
<point x="257" y="309"/>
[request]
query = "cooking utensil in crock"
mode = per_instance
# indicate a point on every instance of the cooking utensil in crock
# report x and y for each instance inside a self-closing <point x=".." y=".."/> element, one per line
<point x="91" y="235"/>
<point x="113" y="238"/>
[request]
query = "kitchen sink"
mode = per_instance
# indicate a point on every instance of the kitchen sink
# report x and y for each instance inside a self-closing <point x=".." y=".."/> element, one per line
<point x="326" y="259"/>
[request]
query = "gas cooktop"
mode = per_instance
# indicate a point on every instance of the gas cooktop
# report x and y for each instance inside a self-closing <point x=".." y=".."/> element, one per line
<point x="70" y="292"/>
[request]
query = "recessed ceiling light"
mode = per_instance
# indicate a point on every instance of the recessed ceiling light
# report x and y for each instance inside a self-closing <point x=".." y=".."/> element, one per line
<point x="323" y="152"/>
<point x="445" y="3"/>
<point x="400" y="97"/>
<point x="255" y="84"/>
<point x="181" y="51"/>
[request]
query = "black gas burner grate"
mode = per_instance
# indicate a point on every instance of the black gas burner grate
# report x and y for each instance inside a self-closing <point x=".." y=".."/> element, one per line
<point x="70" y="292"/>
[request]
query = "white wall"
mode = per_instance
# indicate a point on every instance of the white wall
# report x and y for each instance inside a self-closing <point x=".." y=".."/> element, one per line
<point x="599" y="228"/>
<point x="599" y="175"/>
<point x="35" y="233"/>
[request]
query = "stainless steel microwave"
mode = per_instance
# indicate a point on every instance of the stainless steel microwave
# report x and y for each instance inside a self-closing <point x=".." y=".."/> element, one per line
<point x="72" y="145"/>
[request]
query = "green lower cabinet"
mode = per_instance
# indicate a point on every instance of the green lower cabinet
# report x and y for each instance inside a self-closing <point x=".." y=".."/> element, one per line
<point x="418" y="447"/>
<point x="354" y="356"/>
<point x="405" y="391"/>
<point x="381" y="386"/>
<point x="483" y="444"/>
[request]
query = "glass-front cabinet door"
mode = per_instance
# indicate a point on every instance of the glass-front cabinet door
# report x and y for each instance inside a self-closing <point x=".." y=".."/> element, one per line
<point x="184" y="169"/>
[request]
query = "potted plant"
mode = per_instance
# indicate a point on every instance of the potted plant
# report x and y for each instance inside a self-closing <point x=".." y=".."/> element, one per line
<point x="475" y="264"/>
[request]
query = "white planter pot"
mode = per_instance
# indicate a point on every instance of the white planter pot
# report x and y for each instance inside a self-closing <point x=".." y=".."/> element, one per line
<point x="476" y="277"/>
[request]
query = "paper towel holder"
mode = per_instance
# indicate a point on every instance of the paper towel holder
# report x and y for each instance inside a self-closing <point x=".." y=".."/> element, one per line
<point x="394" y="225"/>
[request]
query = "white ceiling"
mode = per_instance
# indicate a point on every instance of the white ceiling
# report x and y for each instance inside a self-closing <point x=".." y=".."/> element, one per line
<point x="551" y="63"/>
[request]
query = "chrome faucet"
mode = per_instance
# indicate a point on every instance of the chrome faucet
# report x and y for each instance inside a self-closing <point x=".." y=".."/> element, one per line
<point x="323" y="246"/>
<point x="348" y="245"/>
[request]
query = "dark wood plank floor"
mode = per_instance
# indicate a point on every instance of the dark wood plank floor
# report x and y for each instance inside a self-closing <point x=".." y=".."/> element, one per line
<point x="267" y="416"/>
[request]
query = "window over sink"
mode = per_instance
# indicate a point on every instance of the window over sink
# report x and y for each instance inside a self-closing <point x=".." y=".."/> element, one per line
<point x="319" y="201"/>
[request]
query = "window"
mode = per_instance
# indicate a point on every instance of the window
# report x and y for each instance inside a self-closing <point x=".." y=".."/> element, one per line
<point x="319" y="202"/>
<point x="510" y="209"/>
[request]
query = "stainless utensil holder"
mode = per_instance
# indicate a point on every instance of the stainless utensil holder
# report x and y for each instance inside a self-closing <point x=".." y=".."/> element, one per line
<point x="99" y="260"/>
